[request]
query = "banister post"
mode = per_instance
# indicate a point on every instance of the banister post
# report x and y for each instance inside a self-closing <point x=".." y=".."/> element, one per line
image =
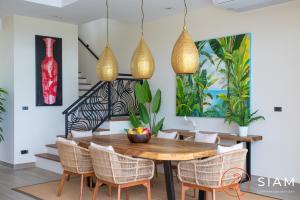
<point x="66" y="125"/>
<point x="109" y="100"/>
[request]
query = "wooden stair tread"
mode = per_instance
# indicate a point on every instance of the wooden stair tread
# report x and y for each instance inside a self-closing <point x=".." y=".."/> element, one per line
<point x="119" y="119"/>
<point x="54" y="146"/>
<point x="85" y="84"/>
<point x="48" y="156"/>
<point x="82" y="89"/>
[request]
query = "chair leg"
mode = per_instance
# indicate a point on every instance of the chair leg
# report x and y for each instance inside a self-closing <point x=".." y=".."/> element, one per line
<point x="127" y="195"/>
<point x="62" y="183"/>
<point x="119" y="192"/>
<point x="148" y="186"/>
<point x="156" y="174"/>
<point x="81" y="186"/>
<point x="68" y="177"/>
<point x="91" y="183"/>
<point x="213" y="194"/>
<point x="238" y="192"/>
<point x="109" y="190"/>
<point x="183" y="190"/>
<point x="207" y="194"/>
<point x="96" y="189"/>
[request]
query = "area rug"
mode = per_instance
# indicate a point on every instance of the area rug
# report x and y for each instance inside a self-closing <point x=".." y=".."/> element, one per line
<point x="47" y="191"/>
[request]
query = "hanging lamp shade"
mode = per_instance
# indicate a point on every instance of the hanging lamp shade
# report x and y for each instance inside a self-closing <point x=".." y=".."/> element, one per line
<point x="107" y="67"/>
<point x="185" y="56"/>
<point x="142" y="62"/>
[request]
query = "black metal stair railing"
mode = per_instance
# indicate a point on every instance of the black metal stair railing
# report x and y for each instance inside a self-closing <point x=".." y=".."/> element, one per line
<point x="100" y="103"/>
<point x="103" y="101"/>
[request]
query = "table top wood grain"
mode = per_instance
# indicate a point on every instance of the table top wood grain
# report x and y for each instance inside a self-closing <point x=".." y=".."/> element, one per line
<point x="156" y="149"/>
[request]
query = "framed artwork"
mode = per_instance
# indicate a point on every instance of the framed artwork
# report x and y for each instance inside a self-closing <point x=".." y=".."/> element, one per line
<point x="48" y="53"/>
<point x="223" y="78"/>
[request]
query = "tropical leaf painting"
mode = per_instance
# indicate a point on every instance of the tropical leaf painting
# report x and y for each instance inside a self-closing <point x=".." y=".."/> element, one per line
<point x="223" y="78"/>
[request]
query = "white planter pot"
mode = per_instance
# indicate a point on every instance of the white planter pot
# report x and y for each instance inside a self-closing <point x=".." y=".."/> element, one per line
<point x="243" y="131"/>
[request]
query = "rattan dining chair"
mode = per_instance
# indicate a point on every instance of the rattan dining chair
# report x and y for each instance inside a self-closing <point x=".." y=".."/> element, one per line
<point x="120" y="171"/>
<point x="213" y="174"/>
<point x="75" y="161"/>
<point x="191" y="138"/>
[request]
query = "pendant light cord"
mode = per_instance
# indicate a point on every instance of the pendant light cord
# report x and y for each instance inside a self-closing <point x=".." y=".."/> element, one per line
<point x="143" y="16"/>
<point x="107" y="23"/>
<point x="185" y="14"/>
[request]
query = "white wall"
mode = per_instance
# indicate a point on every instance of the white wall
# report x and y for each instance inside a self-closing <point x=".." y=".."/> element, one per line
<point x="275" y="77"/>
<point x="40" y="125"/>
<point x="123" y="39"/>
<point x="6" y="82"/>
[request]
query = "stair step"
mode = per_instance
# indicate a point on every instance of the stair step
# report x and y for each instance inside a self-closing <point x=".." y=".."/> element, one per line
<point x="52" y="146"/>
<point x="115" y="119"/>
<point x="49" y="162"/>
<point x="62" y="136"/>
<point x="81" y="78"/>
<point x="85" y="84"/>
<point x="48" y="156"/>
<point x="83" y="89"/>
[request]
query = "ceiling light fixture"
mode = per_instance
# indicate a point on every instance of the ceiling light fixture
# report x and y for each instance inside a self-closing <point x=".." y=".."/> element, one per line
<point x="142" y="62"/>
<point x="107" y="67"/>
<point x="185" y="56"/>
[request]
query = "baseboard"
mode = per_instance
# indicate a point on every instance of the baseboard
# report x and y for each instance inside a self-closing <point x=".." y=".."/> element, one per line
<point x="18" y="166"/>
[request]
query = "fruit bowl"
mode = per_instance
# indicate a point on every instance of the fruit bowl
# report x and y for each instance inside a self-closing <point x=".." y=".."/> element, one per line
<point x="139" y="135"/>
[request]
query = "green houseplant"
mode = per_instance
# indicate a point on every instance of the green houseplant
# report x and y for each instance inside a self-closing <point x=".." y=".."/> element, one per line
<point x="148" y="108"/>
<point x="2" y="110"/>
<point x="243" y="118"/>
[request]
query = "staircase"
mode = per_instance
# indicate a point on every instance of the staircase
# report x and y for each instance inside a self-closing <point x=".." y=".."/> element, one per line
<point x="83" y="85"/>
<point x="100" y="108"/>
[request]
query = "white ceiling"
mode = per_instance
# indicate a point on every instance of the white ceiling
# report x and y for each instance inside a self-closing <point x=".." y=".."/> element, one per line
<point x="83" y="11"/>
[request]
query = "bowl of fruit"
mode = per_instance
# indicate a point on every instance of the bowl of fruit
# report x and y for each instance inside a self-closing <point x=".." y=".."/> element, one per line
<point x="139" y="135"/>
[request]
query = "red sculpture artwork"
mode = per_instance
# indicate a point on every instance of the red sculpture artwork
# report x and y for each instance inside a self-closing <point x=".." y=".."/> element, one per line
<point x="49" y="73"/>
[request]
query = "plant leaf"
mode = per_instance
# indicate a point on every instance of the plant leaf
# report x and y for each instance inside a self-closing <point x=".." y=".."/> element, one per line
<point x="147" y="91"/>
<point x="140" y="93"/>
<point x="156" y="101"/>
<point x="135" y="122"/>
<point x="145" y="118"/>
<point x="158" y="126"/>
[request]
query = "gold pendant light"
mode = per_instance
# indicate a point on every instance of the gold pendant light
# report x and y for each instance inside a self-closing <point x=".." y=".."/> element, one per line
<point x="107" y="67"/>
<point x="185" y="55"/>
<point x="142" y="62"/>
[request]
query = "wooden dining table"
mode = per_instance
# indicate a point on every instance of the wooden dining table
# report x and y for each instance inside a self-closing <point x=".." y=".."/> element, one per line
<point x="165" y="150"/>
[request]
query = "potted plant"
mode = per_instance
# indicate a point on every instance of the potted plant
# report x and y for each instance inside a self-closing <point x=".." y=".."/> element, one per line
<point x="2" y="110"/>
<point x="148" y="108"/>
<point x="243" y="118"/>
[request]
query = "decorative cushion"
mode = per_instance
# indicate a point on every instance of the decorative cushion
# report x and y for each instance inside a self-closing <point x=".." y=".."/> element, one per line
<point x="223" y="149"/>
<point x="165" y="135"/>
<point x="206" y="138"/>
<point x="65" y="141"/>
<point x="101" y="148"/>
<point x="80" y="134"/>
